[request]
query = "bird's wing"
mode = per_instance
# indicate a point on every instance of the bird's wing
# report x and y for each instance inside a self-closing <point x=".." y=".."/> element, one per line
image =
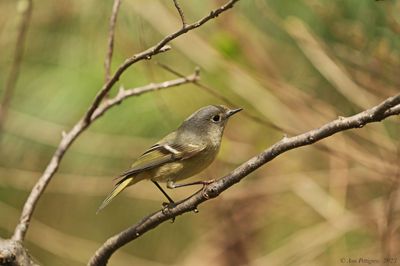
<point x="160" y="154"/>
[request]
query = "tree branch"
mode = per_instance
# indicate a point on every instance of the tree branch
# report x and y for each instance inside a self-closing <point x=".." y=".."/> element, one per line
<point x="111" y="34"/>
<point x="69" y="137"/>
<point x="161" y="46"/>
<point x="389" y="107"/>
<point x="89" y="117"/>
<point x="13" y="253"/>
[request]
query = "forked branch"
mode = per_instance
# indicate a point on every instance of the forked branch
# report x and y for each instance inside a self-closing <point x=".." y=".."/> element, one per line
<point x="161" y="46"/>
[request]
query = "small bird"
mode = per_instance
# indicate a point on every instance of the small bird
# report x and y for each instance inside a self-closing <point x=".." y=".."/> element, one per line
<point x="181" y="154"/>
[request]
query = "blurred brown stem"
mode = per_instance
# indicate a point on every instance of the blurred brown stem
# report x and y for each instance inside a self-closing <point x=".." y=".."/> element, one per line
<point x="25" y="7"/>
<point x="389" y="107"/>
<point x="111" y="34"/>
<point x="389" y="235"/>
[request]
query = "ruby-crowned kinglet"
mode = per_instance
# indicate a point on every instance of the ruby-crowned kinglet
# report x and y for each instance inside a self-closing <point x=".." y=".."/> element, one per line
<point x="181" y="154"/>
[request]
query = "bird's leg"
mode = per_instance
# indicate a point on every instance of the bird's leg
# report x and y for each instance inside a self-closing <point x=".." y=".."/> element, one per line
<point x="171" y="184"/>
<point x="166" y="205"/>
<point x="171" y="201"/>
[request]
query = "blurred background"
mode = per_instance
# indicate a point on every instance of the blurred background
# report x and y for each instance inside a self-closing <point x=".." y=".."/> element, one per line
<point x="292" y="65"/>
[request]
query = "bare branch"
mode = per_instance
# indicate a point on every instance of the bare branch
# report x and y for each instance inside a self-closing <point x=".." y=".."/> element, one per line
<point x="389" y="107"/>
<point x="111" y="34"/>
<point x="69" y="138"/>
<point x="26" y="12"/>
<point x="88" y="117"/>
<point x="180" y="11"/>
<point x="156" y="49"/>
<point x="13" y="253"/>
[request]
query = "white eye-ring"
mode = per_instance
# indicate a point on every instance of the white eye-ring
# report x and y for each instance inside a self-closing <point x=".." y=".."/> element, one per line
<point x="216" y="118"/>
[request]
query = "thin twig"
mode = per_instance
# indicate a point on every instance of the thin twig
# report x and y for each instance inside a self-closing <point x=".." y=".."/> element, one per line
<point x="88" y="117"/>
<point x="180" y="11"/>
<point x="69" y="138"/>
<point x="111" y="34"/>
<point x="26" y="13"/>
<point x="359" y="120"/>
<point x="169" y="69"/>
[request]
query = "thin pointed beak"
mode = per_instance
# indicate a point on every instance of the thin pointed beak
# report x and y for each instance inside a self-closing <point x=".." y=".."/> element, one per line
<point x="233" y="111"/>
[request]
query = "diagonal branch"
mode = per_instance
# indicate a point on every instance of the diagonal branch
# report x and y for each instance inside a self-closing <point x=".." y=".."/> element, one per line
<point x="111" y="34"/>
<point x="69" y="138"/>
<point x="389" y="107"/>
<point x="88" y="117"/>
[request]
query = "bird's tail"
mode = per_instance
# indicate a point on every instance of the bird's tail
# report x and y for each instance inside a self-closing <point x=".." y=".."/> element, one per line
<point x="119" y="187"/>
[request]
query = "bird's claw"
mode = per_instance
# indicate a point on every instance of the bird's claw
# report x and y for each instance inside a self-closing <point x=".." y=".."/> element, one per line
<point x="167" y="206"/>
<point x="204" y="191"/>
<point x="207" y="182"/>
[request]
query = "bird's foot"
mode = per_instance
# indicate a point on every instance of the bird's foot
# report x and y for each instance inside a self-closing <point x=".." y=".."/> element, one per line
<point x="204" y="189"/>
<point x="207" y="182"/>
<point x="167" y="206"/>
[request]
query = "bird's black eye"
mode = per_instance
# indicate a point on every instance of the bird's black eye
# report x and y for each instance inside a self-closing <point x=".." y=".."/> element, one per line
<point x="216" y="118"/>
